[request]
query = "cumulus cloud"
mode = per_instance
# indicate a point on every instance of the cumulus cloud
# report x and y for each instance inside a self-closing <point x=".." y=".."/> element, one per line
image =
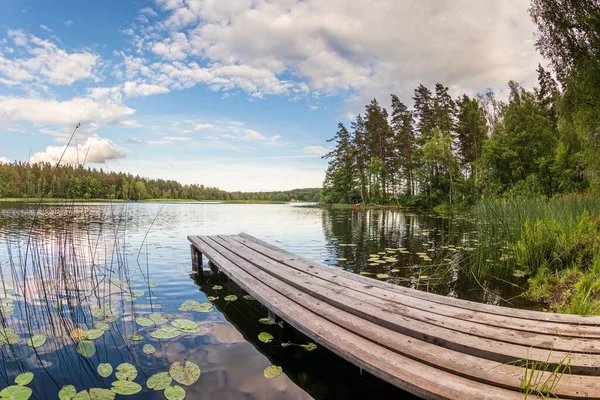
<point x="4" y="160"/>
<point x="316" y="150"/>
<point x="330" y="46"/>
<point x="252" y="135"/>
<point x="95" y="150"/>
<point x="41" y="61"/>
<point x="133" y="89"/>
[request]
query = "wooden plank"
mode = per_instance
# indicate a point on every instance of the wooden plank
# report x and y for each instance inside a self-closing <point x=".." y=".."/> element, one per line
<point x="387" y="316"/>
<point x="392" y="367"/>
<point x="534" y="327"/>
<point x="410" y="375"/>
<point x="488" y="308"/>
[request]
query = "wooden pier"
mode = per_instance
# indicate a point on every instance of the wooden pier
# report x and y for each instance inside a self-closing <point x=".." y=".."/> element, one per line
<point x="433" y="346"/>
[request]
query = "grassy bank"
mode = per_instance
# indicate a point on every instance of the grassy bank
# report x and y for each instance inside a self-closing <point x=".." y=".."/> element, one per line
<point x="553" y="243"/>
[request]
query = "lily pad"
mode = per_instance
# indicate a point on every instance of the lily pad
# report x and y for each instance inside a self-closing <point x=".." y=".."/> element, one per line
<point x="102" y="325"/>
<point x="92" y="334"/>
<point x="265" y="337"/>
<point x="16" y="393"/>
<point x="7" y="336"/>
<point x="126" y="372"/>
<point x="152" y="285"/>
<point x="137" y="338"/>
<point x="185" y="374"/>
<point x="272" y="372"/>
<point x="267" y="321"/>
<point x="144" y="321"/>
<point x="105" y="370"/>
<point x="137" y="293"/>
<point x="67" y="392"/>
<point x="83" y="395"/>
<point x="101" y="394"/>
<point x="185" y="324"/>
<point x="217" y="287"/>
<point x="309" y="346"/>
<point x="149" y="349"/>
<point x="174" y="393"/>
<point x="24" y="378"/>
<point x="165" y="332"/>
<point x="86" y="348"/>
<point x="249" y="298"/>
<point x="383" y="276"/>
<point x="37" y="341"/>
<point x="158" y="318"/>
<point x="212" y="298"/>
<point x="231" y="297"/>
<point x="126" y="387"/>
<point x="159" y="381"/>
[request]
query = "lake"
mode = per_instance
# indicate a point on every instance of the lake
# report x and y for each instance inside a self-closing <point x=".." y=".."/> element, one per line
<point x="94" y="273"/>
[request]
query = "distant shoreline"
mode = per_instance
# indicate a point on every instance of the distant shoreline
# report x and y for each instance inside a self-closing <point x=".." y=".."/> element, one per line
<point x="59" y="200"/>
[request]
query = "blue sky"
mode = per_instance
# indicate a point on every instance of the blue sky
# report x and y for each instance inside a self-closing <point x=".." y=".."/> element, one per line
<point x="239" y="94"/>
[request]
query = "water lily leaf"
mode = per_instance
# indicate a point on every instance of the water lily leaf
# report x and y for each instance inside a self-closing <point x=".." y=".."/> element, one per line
<point x="189" y="305"/>
<point x="83" y="395"/>
<point x="185" y="324"/>
<point x="366" y="273"/>
<point x="159" y="381"/>
<point x="205" y="307"/>
<point x="24" y="378"/>
<point x="7" y="336"/>
<point x="212" y="298"/>
<point x="105" y="370"/>
<point x="137" y="338"/>
<point x="273" y="371"/>
<point x="309" y="346"/>
<point x="185" y="374"/>
<point x="158" y="318"/>
<point x="394" y="270"/>
<point x="149" y="349"/>
<point x="341" y="259"/>
<point x="265" y="337"/>
<point x="249" y="298"/>
<point x="165" y="332"/>
<point x="267" y="321"/>
<point x="67" y="392"/>
<point x="126" y="387"/>
<point x="383" y="276"/>
<point x="102" y="325"/>
<point x="16" y="393"/>
<point x="137" y="293"/>
<point x="286" y="344"/>
<point x="174" y="393"/>
<point x="37" y="341"/>
<point x="231" y="297"/>
<point x="102" y="394"/>
<point x="86" y="348"/>
<point x="217" y="287"/>
<point x="92" y="334"/>
<point x="144" y="321"/>
<point x="126" y="372"/>
<point x="152" y="285"/>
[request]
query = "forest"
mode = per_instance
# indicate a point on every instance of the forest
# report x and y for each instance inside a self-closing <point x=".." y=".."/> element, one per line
<point x="25" y="180"/>
<point x="442" y="150"/>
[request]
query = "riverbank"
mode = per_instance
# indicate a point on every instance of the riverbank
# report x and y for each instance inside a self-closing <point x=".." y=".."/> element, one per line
<point x="61" y="200"/>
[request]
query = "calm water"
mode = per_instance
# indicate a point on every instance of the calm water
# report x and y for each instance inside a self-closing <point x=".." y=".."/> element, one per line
<point x="135" y="260"/>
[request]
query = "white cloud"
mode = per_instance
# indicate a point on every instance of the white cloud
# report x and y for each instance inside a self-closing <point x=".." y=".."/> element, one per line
<point x="69" y="22"/>
<point x="4" y="160"/>
<point x="327" y="46"/>
<point x="252" y="135"/>
<point x="130" y="123"/>
<point x="133" y="89"/>
<point x="95" y="150"/>
<point x="41" y="61"/>
<point x="149" y="12"/>
<point x="44" y="27"/>
<point x="316" y="150"/>
<point x="201" y="127"/>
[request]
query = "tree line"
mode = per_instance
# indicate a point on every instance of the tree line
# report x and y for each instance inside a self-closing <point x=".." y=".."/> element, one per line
<point x="35" y="180"/>
<point x="442" y="149"/>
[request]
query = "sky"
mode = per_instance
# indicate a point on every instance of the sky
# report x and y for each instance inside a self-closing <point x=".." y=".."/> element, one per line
<point x="237" y="94"/>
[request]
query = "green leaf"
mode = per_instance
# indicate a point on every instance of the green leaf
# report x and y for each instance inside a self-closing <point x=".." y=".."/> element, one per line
<point x="149" y="349"/>
<point x="152" y="285"/>
<point x="158" y="318"/>
<point x="101" y="394"/>
<point x="16" y="393"/>
<point x="36" y="341"/>
<point x="273" y="371"/>
<point x="185" y="374"/>
<point x="249" y="298"/>
<point x="383" y="276"/>
<point x="212" y="298"/>
<point x="137" y="338"/>
<point x="105" y="370"/>
<point x="67" y="392"/>
<point x="92" y="334"/>
<point x="185" y="324"/>
<point x="165" y="332"/>
<point x="231" y="297"/>
<point x="193" y="305"/>
<point x="267" y="321"/>
<point x="126" y="387"/>
<point x="159" y="381"/>
<point x="7" y="336"/>
<point x="174" y="393"/>
<point x="86" y="348"/>
<point x="126" y="372"/>
<point x="83" y="395"/>
<point x="102" y="325"/>
<point x="24" y="378"/>
<point x="217" y="287"/>
<point x="144" y="321"/>
<point x="309" y="346"/>
<point x="137" y="293"/>
<point x="265" y="337"/>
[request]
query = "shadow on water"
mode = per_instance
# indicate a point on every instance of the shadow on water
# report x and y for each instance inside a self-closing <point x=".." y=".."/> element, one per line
<point x="322" y="374"/>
